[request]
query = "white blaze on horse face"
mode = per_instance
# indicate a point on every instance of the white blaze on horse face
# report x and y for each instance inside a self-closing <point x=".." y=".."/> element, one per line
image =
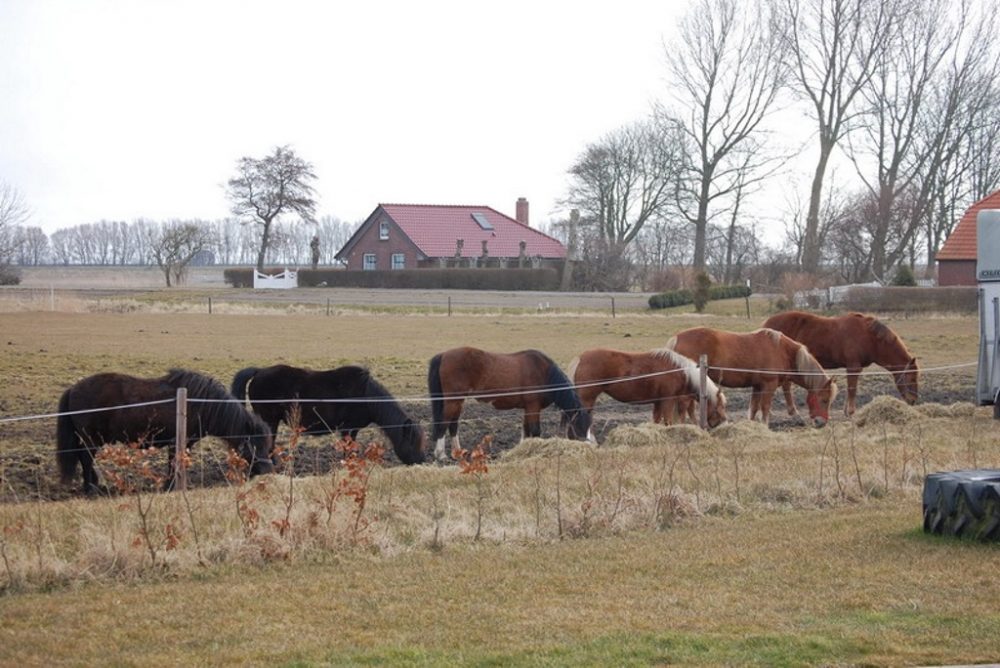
<point x="590" y="437"/>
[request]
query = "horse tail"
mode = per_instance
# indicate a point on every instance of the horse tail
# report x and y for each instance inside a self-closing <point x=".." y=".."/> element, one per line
<point x="241" y="383"/>
<point x="68" y="444"/>
<point x="437" y="394"/>
<point x="671" y="343"/>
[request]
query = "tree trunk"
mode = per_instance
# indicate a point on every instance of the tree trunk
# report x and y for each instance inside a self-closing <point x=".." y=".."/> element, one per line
<point x="810" y="245"/>
<point x="701" y="224"/>
<point x="265" y="240"/>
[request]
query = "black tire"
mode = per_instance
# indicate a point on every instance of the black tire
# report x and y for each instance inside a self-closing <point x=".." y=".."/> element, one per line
<point x="963" y="503"/>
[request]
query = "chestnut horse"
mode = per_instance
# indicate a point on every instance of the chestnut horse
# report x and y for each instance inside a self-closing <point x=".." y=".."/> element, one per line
<point x="761" y="360"/>
<point x="661" y="377"/>
<point x="528" y="379"/>
<point x="99" y="409"/>
<point x="851" y="341"/>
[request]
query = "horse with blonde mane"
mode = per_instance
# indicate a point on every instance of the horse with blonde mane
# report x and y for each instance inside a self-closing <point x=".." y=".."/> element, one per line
<point x="667" y="380"/>
<point x="760" y="360"/>
<point x="853" y="341"/>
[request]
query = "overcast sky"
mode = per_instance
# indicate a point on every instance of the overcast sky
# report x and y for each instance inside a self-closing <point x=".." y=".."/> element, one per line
<point x="117" y="109"/>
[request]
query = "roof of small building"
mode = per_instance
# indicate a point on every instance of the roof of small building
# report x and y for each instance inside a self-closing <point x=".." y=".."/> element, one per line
<point x="961" y="243"/>
<point x="434" y="229"/>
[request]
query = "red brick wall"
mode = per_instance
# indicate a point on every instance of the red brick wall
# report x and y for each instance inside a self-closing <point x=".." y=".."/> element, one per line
<point x="956" y="272"/>
<point x="383" y="249"/>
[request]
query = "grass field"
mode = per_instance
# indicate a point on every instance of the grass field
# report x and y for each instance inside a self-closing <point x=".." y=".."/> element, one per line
<point x="746" y="546"/>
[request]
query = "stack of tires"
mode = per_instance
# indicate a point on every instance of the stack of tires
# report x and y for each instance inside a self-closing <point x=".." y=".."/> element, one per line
<point x="963" y="503"/>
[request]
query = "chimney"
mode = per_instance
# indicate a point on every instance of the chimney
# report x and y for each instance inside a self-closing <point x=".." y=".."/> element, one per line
<point x="521" y="211"/>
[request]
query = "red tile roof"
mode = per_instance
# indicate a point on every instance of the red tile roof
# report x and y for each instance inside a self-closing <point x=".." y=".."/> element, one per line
<point x="961" y="243"/>
<point x="435" y="227"/>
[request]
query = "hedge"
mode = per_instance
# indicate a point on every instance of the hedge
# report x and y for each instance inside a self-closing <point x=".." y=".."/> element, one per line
<point x="685" y="296"/>
<point x="546" y="279"/>
<point x="962" y="299"/>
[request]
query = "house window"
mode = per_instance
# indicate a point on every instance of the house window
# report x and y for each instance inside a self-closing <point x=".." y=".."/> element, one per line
<point x="383" y="230"/>
<point x="398" y="261"/>
<point x="369" y="262"/>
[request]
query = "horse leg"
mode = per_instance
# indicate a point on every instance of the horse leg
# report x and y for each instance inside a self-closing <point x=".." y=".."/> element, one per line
<point x="451" y="411"/>
<point x="852" y="390"/>
<point x="754" y="403"/>
<point x="90" y="481"/>
<point x="786" y="386"/>
<point x="531" y="427"/>
<point x="766" y="396"/>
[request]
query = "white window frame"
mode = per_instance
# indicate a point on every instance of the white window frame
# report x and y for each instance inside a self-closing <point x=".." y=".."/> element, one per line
<point x="383" y="230"/>
<point x="402" y="260"/>
<point x="369" y="262"/>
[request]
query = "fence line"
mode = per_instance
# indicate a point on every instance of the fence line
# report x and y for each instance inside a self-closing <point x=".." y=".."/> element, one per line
<point x="491" y="395"/>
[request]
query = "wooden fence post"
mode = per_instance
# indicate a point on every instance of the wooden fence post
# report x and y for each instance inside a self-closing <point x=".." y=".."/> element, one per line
<point x="703" y="391"/>
<point x="180" y="446"/>
<point x="613" y="307"/>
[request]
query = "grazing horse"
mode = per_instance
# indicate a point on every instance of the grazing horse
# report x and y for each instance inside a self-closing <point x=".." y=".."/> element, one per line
<point x="99" y="409"/>
<point x="347" y="399"/>
<point x="851" y="341"/>
<point x="760" y="360"/>
<point x="661" y="377"/>
<point x="528" y="379"/>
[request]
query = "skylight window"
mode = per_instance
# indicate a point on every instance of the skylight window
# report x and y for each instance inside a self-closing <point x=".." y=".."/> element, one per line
<point x="483" y="223"/>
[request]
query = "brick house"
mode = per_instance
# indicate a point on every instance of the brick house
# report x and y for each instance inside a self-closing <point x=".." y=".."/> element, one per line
<point x="957" y="258"/>
<point x="414" y="236"/>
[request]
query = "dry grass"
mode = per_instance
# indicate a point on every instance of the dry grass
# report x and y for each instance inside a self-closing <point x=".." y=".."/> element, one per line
<point x="666" y="545"/>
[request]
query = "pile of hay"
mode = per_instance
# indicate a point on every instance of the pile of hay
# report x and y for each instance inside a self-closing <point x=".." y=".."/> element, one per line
<point x="886" y="410"/>
<point x="546" y="447"/>
<point x="649" y="434"/>
<point x="961" y="409"/>
<point x="742" y="429"/>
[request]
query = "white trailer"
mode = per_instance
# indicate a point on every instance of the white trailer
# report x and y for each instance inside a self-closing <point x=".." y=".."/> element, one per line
<point x="988" y="276"/>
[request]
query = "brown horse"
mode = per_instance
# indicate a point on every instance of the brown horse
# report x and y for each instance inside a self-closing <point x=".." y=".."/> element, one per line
<point x="528" y="379"/>
<point x="851" y="341"/>
<point x="760" y="360"/>
<point x="661" y="377"/>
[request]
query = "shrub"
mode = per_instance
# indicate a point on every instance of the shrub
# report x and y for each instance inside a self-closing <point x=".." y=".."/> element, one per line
<point x="904" y="277"/>
<point x="684" y="296"/>
<point x="10" y="275"/>
<point x="702" y="288"/>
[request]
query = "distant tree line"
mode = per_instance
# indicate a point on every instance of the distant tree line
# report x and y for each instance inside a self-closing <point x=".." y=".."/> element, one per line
<point x="226" y="241"/>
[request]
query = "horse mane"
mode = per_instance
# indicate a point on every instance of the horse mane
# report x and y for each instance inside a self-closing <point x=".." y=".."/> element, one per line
<point x="690" y="369"/>
<point x="385" y="411"/>
<point x="813" y="374"/>
<point x="223" y="412"/>
<point x="671" y="343"/>
<point x="773" y="333"/>
<point x="559" y="386"/>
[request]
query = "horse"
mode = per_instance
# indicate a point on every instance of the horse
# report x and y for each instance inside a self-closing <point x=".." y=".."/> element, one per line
<point x="853" y="341"/>
<point x="660" y="377"/>
<point x="760" y="360"/>
<point x="347" y="399"/>
<point x="99" y="410"/>
<point x="528" y="379"/>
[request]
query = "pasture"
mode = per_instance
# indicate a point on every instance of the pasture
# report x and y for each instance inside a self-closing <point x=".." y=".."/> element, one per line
<point x="663" y="545"/>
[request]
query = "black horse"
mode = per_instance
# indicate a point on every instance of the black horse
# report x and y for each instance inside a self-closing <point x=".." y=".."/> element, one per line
<point x="347" y="399"/>
<point x="91" y="415"/>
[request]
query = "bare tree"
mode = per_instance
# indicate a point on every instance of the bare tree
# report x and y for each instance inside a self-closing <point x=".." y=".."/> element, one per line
<point x="13" y="213"/>
<point x="32" y="246"/>
<point x="728" y="73"/>
<point x="267" y="188"/>
<point x="625" y="179"/>
<point x="174" y="244"/>
<point x="923" y="97"/>
<point x="833" y="46"/>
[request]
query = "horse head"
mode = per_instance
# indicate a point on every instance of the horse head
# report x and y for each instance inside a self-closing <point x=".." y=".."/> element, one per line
<point x="907" y="380"/>
<point x="257" y="450"/>
<point x="717" y="410"/>
<point x="577" y="423"/>
<point x="411" y="445"/>
<point x="819" y="401"/>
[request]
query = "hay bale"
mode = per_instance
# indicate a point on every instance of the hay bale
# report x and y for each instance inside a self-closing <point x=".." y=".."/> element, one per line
<point x="886" y="410"/>
<point x="742" y="429"/>
<point x="962" y="409"/>
<point x="649" y="434"/>
<point x="546" y="447"/>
